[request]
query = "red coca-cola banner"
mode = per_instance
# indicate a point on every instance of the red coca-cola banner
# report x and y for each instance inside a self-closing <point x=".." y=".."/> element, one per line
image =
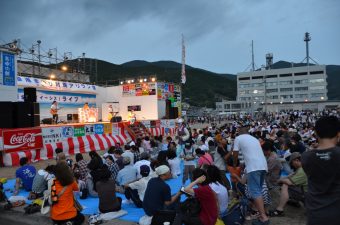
<point x="22" y="139"/>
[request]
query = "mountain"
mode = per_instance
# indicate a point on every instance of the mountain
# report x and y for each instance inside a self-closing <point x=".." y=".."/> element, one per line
<point x="203" y="88"/>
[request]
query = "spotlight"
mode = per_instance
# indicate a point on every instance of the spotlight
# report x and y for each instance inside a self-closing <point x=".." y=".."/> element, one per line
<point x="129" y="81"/>
<point x="132" y="81"/>
<point x="52" y="76"/>
<point x="322" y="98"/>
<point x="121" y="82"/>
<point x="145" y="79"/>
<point x="141" y="80"/>
<point x="64" y="68"/>
<point x="153" y="79"/>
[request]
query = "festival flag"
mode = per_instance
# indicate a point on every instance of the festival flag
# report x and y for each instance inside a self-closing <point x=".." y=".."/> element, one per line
<point x="184" y="79"/>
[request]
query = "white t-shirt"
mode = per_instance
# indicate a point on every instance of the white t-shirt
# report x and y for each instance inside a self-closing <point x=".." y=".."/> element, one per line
<point x="138" y="164"/>
<point x="129" y="154"/>
<point x="204" y="147"/>
<point x="251" y="151"/>
<point x="140" y="185"/>
<point x="222" y="196"/>
<point x="175" y="166"/>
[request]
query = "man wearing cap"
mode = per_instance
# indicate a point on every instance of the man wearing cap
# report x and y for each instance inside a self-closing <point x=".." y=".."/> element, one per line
<point x="144" y="160"/>
<point x="293" y="187"/>
<point x="128" y="153"/>
<point x="127" y="174"/>
<point x="158" y="195"/>
<point x="135" y="191"/>
<point x="256" y="165"/>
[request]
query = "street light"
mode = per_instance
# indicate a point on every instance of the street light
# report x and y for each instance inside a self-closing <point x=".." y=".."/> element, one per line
<point x="64" y="68"/>
<point x="52" y="76"/>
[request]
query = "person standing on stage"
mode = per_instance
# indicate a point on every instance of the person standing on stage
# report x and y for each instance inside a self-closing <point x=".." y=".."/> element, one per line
<point x="110" y="109"/>
<point x="86" y="106"/>
<point x="54" y="111"/>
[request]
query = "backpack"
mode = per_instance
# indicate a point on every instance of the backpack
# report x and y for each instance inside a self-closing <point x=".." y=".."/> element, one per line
<point x="237" y="211"/>
<point x="191" y="207"/>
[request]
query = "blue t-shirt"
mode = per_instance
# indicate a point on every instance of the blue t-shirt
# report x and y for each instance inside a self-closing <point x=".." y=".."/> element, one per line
<point x="26" y="174"/>
<point x="156" y="194"/>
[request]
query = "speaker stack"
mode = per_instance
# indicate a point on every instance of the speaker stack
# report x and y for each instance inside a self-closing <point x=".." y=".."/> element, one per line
<point x="170" y="112"/>
<point x="116" y="119"/>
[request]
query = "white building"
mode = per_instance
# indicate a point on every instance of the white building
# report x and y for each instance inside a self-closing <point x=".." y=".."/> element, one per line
<point x="296" y="88"/>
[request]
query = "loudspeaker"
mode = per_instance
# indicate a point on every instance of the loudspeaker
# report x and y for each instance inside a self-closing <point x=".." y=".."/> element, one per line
<point x="175" y="113"/>
<point x="72" y="118"/>
<point x="167" y="108"/>
<point x="26" y="114"/>
<point x="116" y="119"/>
<point x="46" y="121"/>
<point x="30" y="94"/>
<point x="7" y="115"/>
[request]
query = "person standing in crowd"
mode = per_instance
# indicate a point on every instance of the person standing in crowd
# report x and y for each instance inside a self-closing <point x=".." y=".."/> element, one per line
<point x="322" y="167"/>
<point x="203" y="158"/>
<point x="54" y="112"/>
<point x="63" y="210"/>
<point x="24" y="176"/>
<point x="256" y="169"/>
<point x="188" y="155"/>
<point x="183" y="134"/>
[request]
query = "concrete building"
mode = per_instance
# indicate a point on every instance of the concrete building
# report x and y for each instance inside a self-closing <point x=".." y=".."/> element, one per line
<point x="295" y="88"/>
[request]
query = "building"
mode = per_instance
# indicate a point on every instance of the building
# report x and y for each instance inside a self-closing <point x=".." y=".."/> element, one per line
<point x="295" y="88"/>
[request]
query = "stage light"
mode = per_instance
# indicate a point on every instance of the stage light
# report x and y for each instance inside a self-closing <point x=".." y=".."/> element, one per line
<point x="52" y="76"/>
<point x="121" y="82"/>
<point x="132" y="81"/>
<point x="145" y="79"/>
<point x="153" y="79"/>
<point x="64" y="68"/>
<point x="141" y="80"/>
<point x="129" y="81"/>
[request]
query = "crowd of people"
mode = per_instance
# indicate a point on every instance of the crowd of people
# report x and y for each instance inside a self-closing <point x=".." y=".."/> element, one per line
<point x="293" y="154"/>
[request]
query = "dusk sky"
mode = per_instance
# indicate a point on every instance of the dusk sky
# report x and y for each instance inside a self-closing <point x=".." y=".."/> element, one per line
<point x="218" y="33"/>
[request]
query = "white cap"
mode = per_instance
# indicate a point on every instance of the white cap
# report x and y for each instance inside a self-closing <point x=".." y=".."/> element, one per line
<point x="162" y="170"/>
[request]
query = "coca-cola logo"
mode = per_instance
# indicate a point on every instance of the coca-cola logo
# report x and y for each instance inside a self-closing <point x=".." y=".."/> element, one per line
<point x="22" y="139"/>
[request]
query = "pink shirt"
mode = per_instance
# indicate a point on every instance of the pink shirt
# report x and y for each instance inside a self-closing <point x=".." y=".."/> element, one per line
<point x="205" y="159"/>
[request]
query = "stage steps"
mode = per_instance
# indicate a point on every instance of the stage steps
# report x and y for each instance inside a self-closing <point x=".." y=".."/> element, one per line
<point x="139" y="130"/>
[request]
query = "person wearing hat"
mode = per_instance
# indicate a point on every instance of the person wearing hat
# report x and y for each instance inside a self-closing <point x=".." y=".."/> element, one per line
<point x="158" y="197"/>
<point x="135" y="191"/>
<point x="128" y="153"/>
<point x="127" y="174"/>
<point x="144" y="160"/>
<point x="322" y="168"/>
<point x="293" y="187"/>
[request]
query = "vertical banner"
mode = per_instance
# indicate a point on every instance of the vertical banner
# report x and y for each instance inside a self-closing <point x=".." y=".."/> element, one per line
<point x="8" y="69"/>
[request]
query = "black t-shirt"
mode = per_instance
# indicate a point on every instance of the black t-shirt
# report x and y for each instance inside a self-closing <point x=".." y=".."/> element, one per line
<point x="156" y="194"/>
<point x="322" y="168"/>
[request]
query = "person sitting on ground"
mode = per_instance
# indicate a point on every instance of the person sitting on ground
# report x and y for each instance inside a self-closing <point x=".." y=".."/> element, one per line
<point x="127" y="175"/>
<point x="175" y="163"/>
<point x="108" y="202"/>
<point x="220" y="191"/>
<point x="136" y="153"/>
<point x="24" y="176"/>
<point x="57" y="151"/>
<point x="128" y="153"/>
<point x="112" y="166"/>
<point x="81" y="166"/>
<point x="293" y="187"/>
<point x="40" y="182"/>
<point x="62" y="209"/>
<point x="207" y="198"/>
<point x="274" y="165"/>
<point x="135" y="191"/>
<point x="94" y="165"/>
<point x="144" y="160"/>
<point x="119" y="158"/>
<point x="203" y="158"/>
<point x="158" y="197"/>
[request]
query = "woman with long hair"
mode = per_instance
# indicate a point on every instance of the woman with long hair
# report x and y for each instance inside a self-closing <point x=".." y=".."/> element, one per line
<point x="63" y="209"/>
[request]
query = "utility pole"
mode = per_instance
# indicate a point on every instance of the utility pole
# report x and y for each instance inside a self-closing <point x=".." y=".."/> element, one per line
<point x="252" y="56"/>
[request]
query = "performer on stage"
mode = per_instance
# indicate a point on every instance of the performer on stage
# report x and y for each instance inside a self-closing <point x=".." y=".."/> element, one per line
<point x="86" y="106"/>
<point x="110" y="110"/>
<point x="54" y="111"/>
<point x="132" y="117"/>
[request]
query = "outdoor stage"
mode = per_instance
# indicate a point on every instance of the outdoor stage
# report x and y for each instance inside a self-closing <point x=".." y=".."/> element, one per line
<point x="39" y="143"/>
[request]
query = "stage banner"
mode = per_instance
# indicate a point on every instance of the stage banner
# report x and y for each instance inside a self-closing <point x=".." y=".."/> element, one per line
<point x="68" y="131"/>
<point x="52" y="135"/>
<point x="99" y="128"/>
<point x="89" y="129"/>
<point x="107" y="128"/>
<point x="22" y="139"/>
<point x="55" y="85"/>
<point x="115" y="129"/>
<point x="146" y="123"/>
<point x="168" y="123"/>
<point x="79" y="131"/>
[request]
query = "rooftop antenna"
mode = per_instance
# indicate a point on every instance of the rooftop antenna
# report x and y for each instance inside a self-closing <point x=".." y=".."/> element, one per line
<point x="307" y="39"/>
<point x="252" y="65"/>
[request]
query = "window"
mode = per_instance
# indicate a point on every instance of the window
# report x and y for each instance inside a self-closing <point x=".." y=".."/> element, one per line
<point x="272" y="90"/>
<point x="257" y="77"/>
<point x="236" y="106"/>
<point x="317" y="95"/>
<point x="244" y="92"/>
<point x="286" y="89"/>
<point x="257" y="84"/>
<point x="245" y="98"/>
<point x="259" y="98"/>
<point x="270" y="84"/>
<point x="273" y="97"/>
<point x="286" y="75"/>
<point x="271" y="76"/>
<point x="301" y="89"/>
<point x="317" y="88"/>
<point x="245" y="85"/>
<point x="313" y="81"/>
<point x="286" y="96"/>
<point x="301" y="96"/>
<point x="301" y="81"/>
<point x="244" y="78"/>
<point x="315" y="72"/>
<point x="226" y="106"/>
<point x="300" y="74"/>
<point x="288" y="82"/>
